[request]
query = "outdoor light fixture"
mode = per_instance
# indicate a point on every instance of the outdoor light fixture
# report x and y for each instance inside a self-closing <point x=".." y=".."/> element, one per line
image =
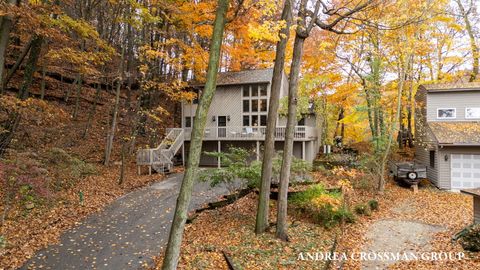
<point x="213" y="118"/>
<point x="446" y="157"/>
<point x="228" y="118"/>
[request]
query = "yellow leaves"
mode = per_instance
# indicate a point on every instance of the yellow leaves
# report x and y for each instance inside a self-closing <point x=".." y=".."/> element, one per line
<point x="326" y="200"/>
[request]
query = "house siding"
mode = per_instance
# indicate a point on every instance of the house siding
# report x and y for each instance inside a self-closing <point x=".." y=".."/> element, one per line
<point x="445" y="166"/>
<point x="422" y="156"/>
<point x="458" y="100"/>
<point x="212" y="146"/>
<point x="226" y="101"/>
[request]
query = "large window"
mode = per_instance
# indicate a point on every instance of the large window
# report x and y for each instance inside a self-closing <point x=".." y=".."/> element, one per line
<point x="446" y="113"/>
<point x="432" y="159"/>
<point x="188" y="122"/>
<point x="254" y="105"/>
<point x="246" y="105"/>
<point x="472" y="113"/>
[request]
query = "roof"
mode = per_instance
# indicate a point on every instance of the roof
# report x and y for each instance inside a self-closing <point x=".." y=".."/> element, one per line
<point x="473" y="191"/>
<point x="451" y="87"/>
<point x="242" y="77"/>
<point x="456" y="133"/>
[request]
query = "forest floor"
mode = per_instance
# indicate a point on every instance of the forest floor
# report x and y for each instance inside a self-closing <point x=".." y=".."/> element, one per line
<point x="128" y="233"/>
<point x="405" y="221"/>
<point x="58" y="171"/>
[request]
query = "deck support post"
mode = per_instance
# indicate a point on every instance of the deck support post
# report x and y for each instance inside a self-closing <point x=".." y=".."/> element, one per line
<point x="303" y="150"/>
<point x="183" y="153"/>
<point x="149" y="169"/>
<point x="139" y="172"/>
<point x="258" y="150"/>
<point x="219" y="150"/>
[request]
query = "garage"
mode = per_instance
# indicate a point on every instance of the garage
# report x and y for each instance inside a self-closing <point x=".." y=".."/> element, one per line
<point x="465" y="171"/>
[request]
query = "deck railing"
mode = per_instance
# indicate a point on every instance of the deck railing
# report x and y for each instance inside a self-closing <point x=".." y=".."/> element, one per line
<point x="251" y="133"/>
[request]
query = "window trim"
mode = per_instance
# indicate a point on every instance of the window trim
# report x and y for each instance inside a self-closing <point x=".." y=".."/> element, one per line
<point x="471" y="108"/>
<point x="454" y="113"/>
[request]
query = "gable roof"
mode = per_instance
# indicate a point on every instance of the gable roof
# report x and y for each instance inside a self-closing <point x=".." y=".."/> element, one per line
<point x="451" y="87"/>
<point x="242" y="77"/>
<point x="456" y="133"/>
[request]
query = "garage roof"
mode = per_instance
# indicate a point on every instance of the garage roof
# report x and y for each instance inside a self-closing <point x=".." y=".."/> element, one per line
<point x="472" y="191"/>
<point x="456" y="133"/>
<point x="452" y="87"/>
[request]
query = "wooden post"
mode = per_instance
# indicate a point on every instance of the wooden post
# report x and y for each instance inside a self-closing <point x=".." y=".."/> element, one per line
<point x="183" y="153"/>
<point x="139" y="170"/>
<point x="149" y="169"/>
<point x="414" y="188"/>
<point x="303" y="150"/>
<point x="258" y="150"/>
<point x="219" y="150"/>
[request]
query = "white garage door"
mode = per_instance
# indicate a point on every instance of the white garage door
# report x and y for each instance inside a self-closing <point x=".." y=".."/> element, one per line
<point x="465" y="171"/>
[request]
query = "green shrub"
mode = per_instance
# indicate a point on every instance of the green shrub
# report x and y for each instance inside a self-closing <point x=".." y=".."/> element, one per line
<point x="3" y="242"/>
<point x="362" y="209"/>
<point x="373" y="204"/>
<point x="236" y="166"/>
<point x="305" y="197"/>
<point x="328" y="216"/>
<point x="470" y="238"/>
<point x="67" y="169"/>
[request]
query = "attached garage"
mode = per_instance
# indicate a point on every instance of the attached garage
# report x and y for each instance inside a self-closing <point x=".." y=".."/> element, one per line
<point x="465" y="171"/>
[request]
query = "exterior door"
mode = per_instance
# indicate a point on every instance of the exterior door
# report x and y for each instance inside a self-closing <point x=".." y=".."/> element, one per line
<point x="222" y="123"/>
<point x="465" y="171"/>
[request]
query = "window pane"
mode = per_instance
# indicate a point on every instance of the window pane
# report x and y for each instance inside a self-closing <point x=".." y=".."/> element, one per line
<point x="446" y="113"/>
<point x="246" y="91"/>
<point x="263" y="105"/>
<point x="246" y="120"/>
<point x="472" y="113"/>
<point x="263" y="120"/>
<point x="254" y="120"/>
<point x="188" y="122"/>
<point x="246" y="105"/>
<point x="254" y="90"/>
<point x="301" y="122"/>
<point x="263" y="90"/>
<point x="254" y="105"/>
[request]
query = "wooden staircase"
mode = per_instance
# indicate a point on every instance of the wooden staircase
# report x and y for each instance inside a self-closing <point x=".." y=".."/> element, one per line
<point x="160" y="159"/>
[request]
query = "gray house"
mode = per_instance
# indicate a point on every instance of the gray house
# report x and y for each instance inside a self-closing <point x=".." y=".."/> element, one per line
<point x="237" y="118"/>
<point x="447" y="133"/>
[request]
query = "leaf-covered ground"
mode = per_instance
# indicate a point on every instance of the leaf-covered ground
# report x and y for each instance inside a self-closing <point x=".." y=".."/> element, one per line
<point x="28" y="232"/>
<point x="231" y="228"/>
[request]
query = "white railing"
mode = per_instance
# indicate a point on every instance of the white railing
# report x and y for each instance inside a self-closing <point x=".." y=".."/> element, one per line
<point x="251" y="133"/>
<point x="163" y="154"/>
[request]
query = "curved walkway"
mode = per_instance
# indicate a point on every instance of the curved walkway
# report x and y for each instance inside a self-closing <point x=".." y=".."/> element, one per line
<point x="127" y="234"/>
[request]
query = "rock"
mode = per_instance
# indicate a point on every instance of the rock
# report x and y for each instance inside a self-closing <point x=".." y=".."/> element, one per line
<point x="29" y="205"/>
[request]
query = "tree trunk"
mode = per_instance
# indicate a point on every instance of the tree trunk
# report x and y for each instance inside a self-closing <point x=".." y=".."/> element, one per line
<point x="269" y="151"/>
<point x="42" y="84"/>
<point x="31" y="66"/>
<point x="77" y="96"/>
<point x="289" y="133"/>
<point x="176" y="232"/>
<point x="5" y="28"/>
<point x="473" y="43"/>
<point x="17" y="64"/>
<point x="92" y="111"/>
<point x="111" y="134"/>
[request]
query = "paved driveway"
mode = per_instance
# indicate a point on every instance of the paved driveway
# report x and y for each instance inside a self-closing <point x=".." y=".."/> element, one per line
<point x="127" y="234"/>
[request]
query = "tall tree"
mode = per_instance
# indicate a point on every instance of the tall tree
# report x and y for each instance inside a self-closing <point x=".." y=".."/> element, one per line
<point x="471" y="35"/>
<point x="180" y="217"/>
<point x="5" y="28"/>
<point x="306" y="21"/>
<point x="269" y="147"/>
